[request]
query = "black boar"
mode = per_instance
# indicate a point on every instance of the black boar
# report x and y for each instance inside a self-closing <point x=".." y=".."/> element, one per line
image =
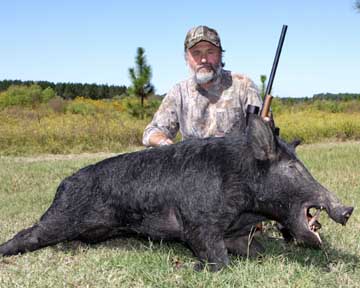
<point x="204" y="192"/>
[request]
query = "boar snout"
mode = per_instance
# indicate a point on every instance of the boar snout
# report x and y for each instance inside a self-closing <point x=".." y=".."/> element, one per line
<point x="341" y="214"/>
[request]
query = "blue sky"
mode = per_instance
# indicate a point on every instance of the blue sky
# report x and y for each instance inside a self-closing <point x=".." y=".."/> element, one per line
<point x="96" y="41"/>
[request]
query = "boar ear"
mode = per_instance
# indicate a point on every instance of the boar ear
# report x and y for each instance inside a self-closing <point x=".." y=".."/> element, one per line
<point x="261" y="139"/>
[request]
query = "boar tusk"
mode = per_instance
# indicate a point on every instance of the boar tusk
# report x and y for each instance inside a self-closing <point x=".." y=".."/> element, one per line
<point x="314" y="218"/>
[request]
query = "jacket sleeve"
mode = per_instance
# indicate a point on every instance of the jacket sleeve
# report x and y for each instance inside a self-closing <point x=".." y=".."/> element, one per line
<point x="166" y="118"/>
<point x="252" y="95"/>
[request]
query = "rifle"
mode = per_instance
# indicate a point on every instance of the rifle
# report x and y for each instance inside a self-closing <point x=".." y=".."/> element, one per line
<point x="267" y="101"/>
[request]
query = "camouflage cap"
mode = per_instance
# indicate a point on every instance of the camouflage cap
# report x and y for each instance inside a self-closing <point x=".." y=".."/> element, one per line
<point x="202" y="33"/>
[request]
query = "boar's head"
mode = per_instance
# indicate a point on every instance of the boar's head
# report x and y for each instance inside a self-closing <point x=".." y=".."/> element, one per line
<point x="285" y="190"/>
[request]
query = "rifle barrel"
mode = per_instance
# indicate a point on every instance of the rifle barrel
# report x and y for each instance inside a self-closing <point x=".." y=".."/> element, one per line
<point x="276" y="60"/>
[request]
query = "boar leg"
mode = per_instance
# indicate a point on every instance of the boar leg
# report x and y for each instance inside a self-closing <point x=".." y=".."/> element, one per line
<point x="244" y="246"/>
<point x="244" y="225"/>
<point x="239" y="238"/>
<point x="38" y="236"/>
<point x="54" y="228"/>
<point x="209" y="247"/>
<point x="285" y="232"/>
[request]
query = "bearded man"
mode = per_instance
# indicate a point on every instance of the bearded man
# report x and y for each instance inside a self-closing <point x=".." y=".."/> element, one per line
<point x="210" y="103"/>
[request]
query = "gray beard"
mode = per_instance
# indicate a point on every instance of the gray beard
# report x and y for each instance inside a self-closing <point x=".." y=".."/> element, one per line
<point x="206" y="77"/>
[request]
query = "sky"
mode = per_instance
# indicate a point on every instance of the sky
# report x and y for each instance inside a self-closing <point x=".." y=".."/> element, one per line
<point x="96" y="41"/>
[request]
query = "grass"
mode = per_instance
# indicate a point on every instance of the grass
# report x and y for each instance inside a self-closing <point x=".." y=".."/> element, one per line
<point x="317" y="126"/>
<point x="28" y="132"/>
<point x="24" y="196"/>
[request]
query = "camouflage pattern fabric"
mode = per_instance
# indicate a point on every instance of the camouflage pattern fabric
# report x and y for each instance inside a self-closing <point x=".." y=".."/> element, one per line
<point x="202" y="33"/>
<point x="200" y="113"/>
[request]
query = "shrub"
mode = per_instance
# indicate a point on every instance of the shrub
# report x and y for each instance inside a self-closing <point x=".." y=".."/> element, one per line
<point x="67" y="133"/>
<point x="20" y="95"/>
<point x="57" y="104"/>
<point x="134" y="108"/>
<point x="85" y="106"/>
<point x="329" y="106"/>
<point x="81" y="106"/>
<point x="110" y="125"/>
<point x="316" y="126"/>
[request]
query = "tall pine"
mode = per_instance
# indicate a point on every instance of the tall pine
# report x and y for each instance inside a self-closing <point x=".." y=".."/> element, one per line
<point x="140" y="77"/>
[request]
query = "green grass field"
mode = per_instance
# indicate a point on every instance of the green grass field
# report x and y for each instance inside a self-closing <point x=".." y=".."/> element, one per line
<point x="28" y="186"/>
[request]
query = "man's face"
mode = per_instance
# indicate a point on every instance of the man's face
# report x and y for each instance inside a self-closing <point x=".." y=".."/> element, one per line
<point x="204" y="60"/>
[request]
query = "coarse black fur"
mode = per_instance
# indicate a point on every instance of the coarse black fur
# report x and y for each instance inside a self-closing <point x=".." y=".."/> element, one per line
<point x="204" y="192"/>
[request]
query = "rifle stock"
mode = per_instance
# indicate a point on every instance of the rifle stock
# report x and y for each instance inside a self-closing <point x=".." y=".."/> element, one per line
<point x="266" y="106"/>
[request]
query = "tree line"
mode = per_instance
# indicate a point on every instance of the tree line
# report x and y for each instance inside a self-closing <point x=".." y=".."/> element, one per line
<point x="323" y="96"/>
<point x="338" y="96"/>
<point x="72" y="90"/>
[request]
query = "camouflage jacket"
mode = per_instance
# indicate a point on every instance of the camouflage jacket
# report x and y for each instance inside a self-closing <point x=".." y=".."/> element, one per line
<point x="202" y="113"/>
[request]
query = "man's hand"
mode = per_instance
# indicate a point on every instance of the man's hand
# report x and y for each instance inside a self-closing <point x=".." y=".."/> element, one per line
<point x="159" y="139"/>
<point x="165" y="142"/>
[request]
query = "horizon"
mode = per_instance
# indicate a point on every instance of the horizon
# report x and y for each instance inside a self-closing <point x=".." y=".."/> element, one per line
<point x="162" y="95"/>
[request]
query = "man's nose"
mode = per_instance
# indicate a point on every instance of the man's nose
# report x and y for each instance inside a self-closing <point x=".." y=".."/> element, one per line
<point x="203" y="59"/>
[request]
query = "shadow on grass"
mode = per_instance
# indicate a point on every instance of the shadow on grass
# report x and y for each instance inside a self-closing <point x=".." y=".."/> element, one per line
<point x="126" y="243"/>
<point x="325" y="258"/>
<point x="275" y="248"/>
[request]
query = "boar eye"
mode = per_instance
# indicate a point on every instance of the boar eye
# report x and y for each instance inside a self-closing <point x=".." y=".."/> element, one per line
<point x="291" y="164"/>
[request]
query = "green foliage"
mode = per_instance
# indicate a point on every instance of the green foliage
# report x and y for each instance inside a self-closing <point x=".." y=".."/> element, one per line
<point x="71" y="90"/>
<point x="140" y="77"/>
<point x="357" y="5"/>
<point x="329" y="106"/>
<point x="317" y="126"/>
<point x="263" y="85"/>
<point x="291" y="105"/>
<point x="57" y="104"/>
<point x="80" y="107"/>
<point x="135" y="109"/>
<point x="26" y="132"/>
<point x="47" y="94"/>
<point x="333" y="96"/>
<point x="82" y="124"/>
<point x="18" y="95"/>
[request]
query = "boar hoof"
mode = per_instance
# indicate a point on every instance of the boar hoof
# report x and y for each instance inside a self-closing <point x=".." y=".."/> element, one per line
<point x="199" y="266"/>
<point x="212" y="267"/>
<point x="285" y="233"/>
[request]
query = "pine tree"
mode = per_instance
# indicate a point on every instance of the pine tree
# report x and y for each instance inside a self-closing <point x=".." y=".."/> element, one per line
<point x="262" y="80"/>
<point x="357" y="5"/>
<point x="140" y="77"/>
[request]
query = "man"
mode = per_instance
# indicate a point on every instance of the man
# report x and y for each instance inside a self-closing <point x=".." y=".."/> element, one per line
<point x="210" y="103"/>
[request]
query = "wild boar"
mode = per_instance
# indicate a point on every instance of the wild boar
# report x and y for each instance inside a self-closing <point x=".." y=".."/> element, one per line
<point x="203" y="192"/>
